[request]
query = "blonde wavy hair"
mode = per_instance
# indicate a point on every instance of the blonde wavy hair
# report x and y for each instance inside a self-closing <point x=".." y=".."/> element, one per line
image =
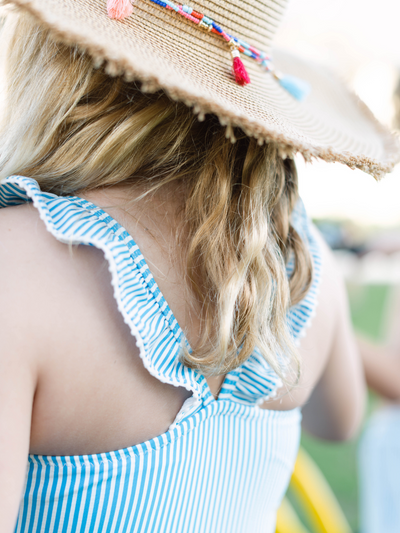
<point x="70" y="126"/>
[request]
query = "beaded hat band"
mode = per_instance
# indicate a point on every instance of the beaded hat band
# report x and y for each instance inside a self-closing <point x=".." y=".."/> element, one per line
<point x="299" y="89"/>
<point x="160" y="44"/>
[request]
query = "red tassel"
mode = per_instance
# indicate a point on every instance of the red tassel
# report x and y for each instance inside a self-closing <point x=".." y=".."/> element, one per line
<point x="240" y="72"/>
<point x="119" y="9"/>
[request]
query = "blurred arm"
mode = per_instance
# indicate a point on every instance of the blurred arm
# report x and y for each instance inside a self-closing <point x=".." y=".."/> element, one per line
<point x="335" y="408"/>
<point x="331" y="386"/>
<point x="382" y="369"/>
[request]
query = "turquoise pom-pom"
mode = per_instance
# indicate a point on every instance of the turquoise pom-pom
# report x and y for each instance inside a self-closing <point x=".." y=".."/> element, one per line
<point x="298" y="88"/>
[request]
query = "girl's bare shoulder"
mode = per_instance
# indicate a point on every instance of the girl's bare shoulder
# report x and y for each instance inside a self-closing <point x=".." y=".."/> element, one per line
<point x="25" y="249"/>
<point x="39" y="276"/>
<point x="30" y="254"/>
<point x="25" y="244"/>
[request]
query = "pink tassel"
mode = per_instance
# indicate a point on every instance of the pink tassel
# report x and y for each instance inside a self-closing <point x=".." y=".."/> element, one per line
<point x="119" y="9"/>
<point x="239" y="70"/>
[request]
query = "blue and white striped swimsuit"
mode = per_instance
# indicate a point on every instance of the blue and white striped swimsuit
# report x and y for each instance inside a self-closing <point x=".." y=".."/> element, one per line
<point x="222" y="467"/>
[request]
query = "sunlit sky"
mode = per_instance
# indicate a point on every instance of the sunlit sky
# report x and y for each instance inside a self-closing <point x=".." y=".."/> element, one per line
<point x="360" y="40"/>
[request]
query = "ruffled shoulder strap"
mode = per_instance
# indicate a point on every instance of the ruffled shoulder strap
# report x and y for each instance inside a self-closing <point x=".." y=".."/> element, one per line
<point x="301" y="314"/>
<point x="74" y="220"/>
<point x="255" y="381"/>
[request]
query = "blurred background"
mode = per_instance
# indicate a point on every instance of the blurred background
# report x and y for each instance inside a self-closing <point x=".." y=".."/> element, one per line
<point x="359" y="217"/>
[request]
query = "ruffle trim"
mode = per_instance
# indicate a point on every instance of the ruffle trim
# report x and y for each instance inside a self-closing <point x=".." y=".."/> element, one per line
<point x="300" y="315"/>
<point x="28" y="190"/>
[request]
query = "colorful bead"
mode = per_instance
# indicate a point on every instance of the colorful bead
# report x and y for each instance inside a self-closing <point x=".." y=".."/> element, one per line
<point x="254" y="50"/>
<point x="243" y="43"/>
<point x="187" y="16"/>
<point x="172" y="5"/>
<point x="203" y="25"/>
<point x="217" y="28"/>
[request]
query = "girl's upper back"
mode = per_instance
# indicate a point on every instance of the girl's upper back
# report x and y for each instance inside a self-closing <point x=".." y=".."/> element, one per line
<point x="106" y="359"/>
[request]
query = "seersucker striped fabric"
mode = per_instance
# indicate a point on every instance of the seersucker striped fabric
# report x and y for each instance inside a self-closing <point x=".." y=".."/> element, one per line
<point x="222" y="467"/>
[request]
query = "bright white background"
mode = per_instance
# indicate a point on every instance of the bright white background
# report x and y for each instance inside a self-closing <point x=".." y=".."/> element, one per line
<point x="360" y="40"/>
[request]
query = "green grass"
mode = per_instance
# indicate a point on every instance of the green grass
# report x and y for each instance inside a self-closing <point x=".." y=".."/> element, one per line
<point x="338" y="462"/>
<point x="368" y="309"/>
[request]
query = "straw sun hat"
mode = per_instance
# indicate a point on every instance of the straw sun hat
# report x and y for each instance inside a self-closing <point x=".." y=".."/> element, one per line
<point x="188" y="51"/>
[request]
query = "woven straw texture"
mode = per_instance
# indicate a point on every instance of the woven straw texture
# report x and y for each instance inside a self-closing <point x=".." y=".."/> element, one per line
<point x="165" y="51"/>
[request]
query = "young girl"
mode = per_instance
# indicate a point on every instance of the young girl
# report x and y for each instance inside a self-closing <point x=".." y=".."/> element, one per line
<point x="158" y="270"/>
